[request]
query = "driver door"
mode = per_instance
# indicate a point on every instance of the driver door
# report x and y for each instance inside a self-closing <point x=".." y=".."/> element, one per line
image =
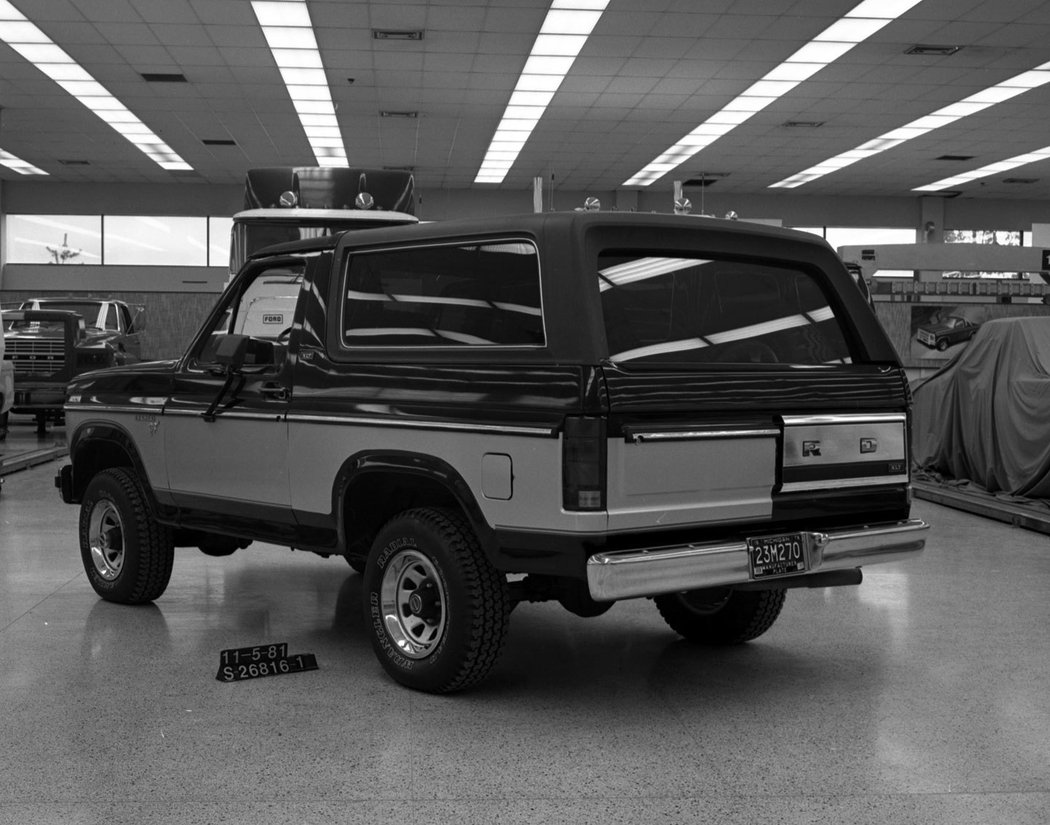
<point x="226" y="437"/>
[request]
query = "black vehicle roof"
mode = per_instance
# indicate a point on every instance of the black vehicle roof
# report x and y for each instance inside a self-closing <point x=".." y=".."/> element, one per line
<point x="536" y="223"/>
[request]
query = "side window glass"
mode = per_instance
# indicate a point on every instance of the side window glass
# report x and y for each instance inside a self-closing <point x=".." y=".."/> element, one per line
<point x="484" y="294"/>
<point x="111" y="317"/>
<point x="263" y="308"/>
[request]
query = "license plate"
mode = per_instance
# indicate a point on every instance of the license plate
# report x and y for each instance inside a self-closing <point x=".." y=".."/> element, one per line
<point x="771" y="556"/>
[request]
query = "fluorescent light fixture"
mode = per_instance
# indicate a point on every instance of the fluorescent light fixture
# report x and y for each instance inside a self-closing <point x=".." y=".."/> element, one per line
<point x="16" y="164"/>
<point x="977" y="102"/>
<point x="36" y="47"/>
<point x="837" y="39"/>
<point x="985" y="171"/>
<point x="289" y="32"/>
<point x="565" y="29"/>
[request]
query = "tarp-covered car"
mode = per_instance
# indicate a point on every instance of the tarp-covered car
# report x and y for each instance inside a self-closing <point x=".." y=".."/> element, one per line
<point x="985" y="416"/>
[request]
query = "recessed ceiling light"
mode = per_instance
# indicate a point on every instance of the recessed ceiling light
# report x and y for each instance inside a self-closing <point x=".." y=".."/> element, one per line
<point x="218" y="142"/>
<point x="392" y="113"/>
<point x="16" y="164"/>
<point x="985" y="171"/>
<point x="955" y="157"/>
<point x="30" y="41"/>
<point x="1020" y="180"/>
<point x="854" y="27"/>
<point x="289" y="32"/>
<point x="565" y="29"/>
<point x="977" y="102"/>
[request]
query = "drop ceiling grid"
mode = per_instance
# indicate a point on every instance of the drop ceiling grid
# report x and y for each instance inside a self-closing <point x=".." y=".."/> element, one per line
<point x="653" y="70"/>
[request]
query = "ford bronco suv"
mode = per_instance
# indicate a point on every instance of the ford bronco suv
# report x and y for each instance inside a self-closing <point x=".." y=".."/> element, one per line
<point x="580" y="407"/>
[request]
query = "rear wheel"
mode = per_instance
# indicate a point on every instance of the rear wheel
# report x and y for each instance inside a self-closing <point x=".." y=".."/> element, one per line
<point x="436" y="608"/>
<point x="127" y="555"/>
<point x="720" y="616"/>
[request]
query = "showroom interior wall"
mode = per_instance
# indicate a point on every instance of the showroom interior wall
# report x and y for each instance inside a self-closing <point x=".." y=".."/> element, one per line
<point x="179" y="297"/>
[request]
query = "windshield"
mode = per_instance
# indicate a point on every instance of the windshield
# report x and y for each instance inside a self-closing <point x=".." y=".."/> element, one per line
<point x="698" y="309"/>
<point x="87" y="310"/>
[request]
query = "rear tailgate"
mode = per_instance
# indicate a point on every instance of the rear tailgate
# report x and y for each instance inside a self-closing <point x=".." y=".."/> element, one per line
<point x="769" y="445"/>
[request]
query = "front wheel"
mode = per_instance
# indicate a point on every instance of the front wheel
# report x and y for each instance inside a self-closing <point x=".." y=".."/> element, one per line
<point x="720" y="616"/>
<point x="436" y="608"/>
<point x="127" y="555"/>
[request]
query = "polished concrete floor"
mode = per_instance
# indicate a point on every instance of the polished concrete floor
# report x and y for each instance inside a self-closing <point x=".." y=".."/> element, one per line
<point x="923" y="696"/>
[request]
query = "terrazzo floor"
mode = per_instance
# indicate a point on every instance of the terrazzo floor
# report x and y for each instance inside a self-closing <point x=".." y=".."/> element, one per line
<point x="922" y="696"/>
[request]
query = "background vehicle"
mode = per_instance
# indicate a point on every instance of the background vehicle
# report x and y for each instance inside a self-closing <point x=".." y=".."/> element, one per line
<point x="284" y="204"/>
<point x="950" y="331"/>
<point x="49" y="340"/>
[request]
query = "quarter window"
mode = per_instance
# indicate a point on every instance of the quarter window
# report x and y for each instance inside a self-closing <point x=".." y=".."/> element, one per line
<point x="485" y="294"/>
<point x="677" y="309"/>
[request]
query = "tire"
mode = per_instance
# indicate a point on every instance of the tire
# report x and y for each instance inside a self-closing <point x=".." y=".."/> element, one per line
<point x="436" y="609"/>
<point x="720" y="616"/>
<point x="127" y="555"/>
<point x="942" y="345"/>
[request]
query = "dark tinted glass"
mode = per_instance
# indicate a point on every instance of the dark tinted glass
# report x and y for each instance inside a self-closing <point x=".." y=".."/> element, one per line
<point x="471" y="295"/>
<point x="712" y="311"/>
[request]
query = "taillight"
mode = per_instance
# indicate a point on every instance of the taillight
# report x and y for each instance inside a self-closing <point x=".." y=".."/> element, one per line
<point x="583" y="464"/>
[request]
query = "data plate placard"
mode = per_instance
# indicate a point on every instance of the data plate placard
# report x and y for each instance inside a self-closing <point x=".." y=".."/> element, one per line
<point x="772" y="556"/>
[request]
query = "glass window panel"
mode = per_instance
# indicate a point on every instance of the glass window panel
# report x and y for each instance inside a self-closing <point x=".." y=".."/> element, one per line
<point x="219" y="241"/>
<point x="996" y="237"/>
<point x="263" y="309"/>
<point x="53" y="239"/>
<point x="155" y="241"/>
<point x="691" y="310"/>
<point x="858" y="235"/>
<point x="471" y="295"/>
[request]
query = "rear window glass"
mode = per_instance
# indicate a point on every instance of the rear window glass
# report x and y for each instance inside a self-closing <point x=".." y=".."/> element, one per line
<point x="485" y="294"/>
<point x="679" y="309"/>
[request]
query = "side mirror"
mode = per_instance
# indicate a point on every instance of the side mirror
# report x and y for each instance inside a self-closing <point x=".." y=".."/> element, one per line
<point x="234" y="352"/>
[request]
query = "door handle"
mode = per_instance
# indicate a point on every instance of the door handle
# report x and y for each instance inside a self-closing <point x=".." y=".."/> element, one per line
<point x="274" y="390"/>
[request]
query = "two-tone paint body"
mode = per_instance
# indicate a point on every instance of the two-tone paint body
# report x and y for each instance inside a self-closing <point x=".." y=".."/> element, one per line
<point x="317" y="452"/>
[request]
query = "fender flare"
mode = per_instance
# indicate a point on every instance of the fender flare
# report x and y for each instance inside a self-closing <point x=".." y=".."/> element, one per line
<point x="409" y="463"/>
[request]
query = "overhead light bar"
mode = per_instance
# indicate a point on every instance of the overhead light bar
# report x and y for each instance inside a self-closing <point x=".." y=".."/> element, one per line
<point x="289" y="32"/>
<point x="40" y="50"/>
<point x="828" y="46"/>
<point x="564" y="31"/>
<point x="1014" y="86"/>
<point x="985" y="171"/>
<point x="16" y="164"/>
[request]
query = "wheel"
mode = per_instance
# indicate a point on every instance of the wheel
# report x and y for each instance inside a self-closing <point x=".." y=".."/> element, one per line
<point x="435" y="607"/>
<point x="126" y="554"/>
<point x="720" y="616"/>
<point x="357" y="564"/>
<point x="942" y="345"/>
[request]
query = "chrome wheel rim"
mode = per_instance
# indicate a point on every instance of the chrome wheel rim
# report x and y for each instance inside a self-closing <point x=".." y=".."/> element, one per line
<point x="414" y="604"/>
<point x="106" y="540"/>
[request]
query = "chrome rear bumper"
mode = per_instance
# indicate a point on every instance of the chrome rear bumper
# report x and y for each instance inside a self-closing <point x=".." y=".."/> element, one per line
<point x="649" y="572"/>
